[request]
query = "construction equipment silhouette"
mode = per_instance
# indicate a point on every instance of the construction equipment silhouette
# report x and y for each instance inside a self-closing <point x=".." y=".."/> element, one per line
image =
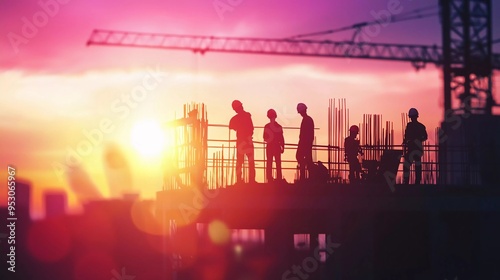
<point x="466" y="59"/>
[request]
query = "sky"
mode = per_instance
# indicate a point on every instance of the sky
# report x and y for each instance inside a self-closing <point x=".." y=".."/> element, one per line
<point x="59" y="94"/>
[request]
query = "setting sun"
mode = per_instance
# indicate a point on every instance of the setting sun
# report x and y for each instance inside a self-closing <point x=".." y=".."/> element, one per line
<point x="148" y="138"/>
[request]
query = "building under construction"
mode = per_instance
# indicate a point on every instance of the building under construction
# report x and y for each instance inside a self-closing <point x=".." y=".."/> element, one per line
<point x="378" y="226"/>
<point x="445" y="228"/>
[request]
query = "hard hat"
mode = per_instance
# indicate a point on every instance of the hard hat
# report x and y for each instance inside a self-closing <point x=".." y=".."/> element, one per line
<point x="271" y="113"/>
<point x="236" y="104"/>
<point x="354" y="128"/>
<point x="412" y="113"/>
<point x="301" y="107"/>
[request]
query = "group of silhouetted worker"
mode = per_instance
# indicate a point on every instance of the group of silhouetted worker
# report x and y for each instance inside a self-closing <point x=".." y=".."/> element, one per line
<point x="415" y="134"/>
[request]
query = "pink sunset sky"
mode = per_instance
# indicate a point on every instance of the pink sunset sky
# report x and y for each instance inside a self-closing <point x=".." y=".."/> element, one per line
<point x="55" y="88"/>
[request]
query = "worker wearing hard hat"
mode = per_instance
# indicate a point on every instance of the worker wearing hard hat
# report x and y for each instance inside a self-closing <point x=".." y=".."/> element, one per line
<point x="351" y="151"/>
<point x="243" y="125"/>
<point x="275" y="146"/>
<point x="306" y="139"/>
<point x="415" y="134"/>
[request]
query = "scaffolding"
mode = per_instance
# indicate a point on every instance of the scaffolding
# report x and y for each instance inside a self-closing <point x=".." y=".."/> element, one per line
<point x="185" y="162"/>
<point x="197" y="160"/>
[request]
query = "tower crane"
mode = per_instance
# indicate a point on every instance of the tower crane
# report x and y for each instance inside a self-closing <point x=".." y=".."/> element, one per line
<point x="465" y="56"/>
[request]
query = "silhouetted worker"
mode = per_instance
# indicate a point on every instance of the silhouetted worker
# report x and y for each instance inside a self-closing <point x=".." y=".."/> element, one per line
<point x="242" y="123"/>
<point x="319" y="173"/>
<point x="306" y="139"/>
<point x="415" y="134"/>
<point x="351" y="151"/>
<point x="275" y="145"/>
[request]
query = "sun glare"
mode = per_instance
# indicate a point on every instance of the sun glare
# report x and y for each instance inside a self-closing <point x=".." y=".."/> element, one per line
<point x="148" y="138"/>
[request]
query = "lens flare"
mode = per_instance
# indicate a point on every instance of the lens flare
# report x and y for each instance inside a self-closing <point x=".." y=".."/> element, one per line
<point x="219" y="232"/>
